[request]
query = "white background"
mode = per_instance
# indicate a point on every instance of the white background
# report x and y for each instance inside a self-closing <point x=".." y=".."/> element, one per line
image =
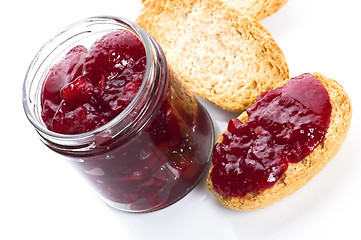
<point x="42" y="197"/>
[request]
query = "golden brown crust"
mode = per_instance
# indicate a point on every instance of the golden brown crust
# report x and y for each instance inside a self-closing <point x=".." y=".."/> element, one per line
<point x="298" y="174"/>
<point x="217" y="52"/>
<point x="257" y="9"/>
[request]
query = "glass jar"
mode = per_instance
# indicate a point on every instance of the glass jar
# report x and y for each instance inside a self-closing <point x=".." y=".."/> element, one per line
<point x="151" y="154"/>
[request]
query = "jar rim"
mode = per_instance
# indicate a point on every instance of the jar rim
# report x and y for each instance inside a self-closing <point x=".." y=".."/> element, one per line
<point x="144" y="37"/>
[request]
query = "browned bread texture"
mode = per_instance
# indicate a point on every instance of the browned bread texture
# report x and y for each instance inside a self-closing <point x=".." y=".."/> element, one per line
<point x="217" y="52"/>
<point x="298" y="174"/>
<point x="258" y="9"/>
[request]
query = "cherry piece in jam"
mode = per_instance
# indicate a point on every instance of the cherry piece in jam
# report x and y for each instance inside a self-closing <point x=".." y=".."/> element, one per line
<point x="284" y="125"/>
<point x="112" y="54"/>
<point x="60" y="75"/>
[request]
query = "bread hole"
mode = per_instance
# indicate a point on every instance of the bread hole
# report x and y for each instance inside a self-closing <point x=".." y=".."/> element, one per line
<point x="239" y="32"/>
<point x="278" y="70"/>
<point x="251" y="36"/>
<point x="306" y="163"/>
<point x="269" y="65"/>
<point x="283" y="179"/>
<point x="254" y="84"/>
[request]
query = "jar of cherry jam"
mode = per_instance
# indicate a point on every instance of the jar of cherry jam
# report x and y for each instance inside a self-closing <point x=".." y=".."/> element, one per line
<point x="101" y="94"/>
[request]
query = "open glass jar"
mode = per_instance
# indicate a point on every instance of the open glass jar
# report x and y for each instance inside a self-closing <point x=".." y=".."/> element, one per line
<point x="154" y="151"/>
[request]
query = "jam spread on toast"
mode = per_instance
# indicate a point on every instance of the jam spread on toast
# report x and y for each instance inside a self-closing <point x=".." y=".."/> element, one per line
<point x="284" y="126"/>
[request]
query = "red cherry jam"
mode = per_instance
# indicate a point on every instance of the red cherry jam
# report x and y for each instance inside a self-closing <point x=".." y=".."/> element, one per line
<point x="284" y="125"/>
<point x="159" y="149"/>
<point x="87" y="89"/>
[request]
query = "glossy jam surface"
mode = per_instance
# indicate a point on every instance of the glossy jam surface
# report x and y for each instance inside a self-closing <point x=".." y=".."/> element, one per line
<point x="88" y="88"/>
<point x="284" y="125"/>
<point x="161" y="162"/>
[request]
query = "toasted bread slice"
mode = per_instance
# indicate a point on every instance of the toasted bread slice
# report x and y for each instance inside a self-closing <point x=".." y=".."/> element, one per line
<point x="258" y="9"/>
<point x="217" y="52"/>
<point x="298" y="174"/>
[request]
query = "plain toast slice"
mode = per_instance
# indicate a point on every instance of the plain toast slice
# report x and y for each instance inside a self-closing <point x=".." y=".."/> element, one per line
<point x="217" y="52"/>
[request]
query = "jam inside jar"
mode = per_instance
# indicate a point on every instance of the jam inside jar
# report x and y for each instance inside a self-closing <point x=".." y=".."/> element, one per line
<point x="127" y="124"/>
